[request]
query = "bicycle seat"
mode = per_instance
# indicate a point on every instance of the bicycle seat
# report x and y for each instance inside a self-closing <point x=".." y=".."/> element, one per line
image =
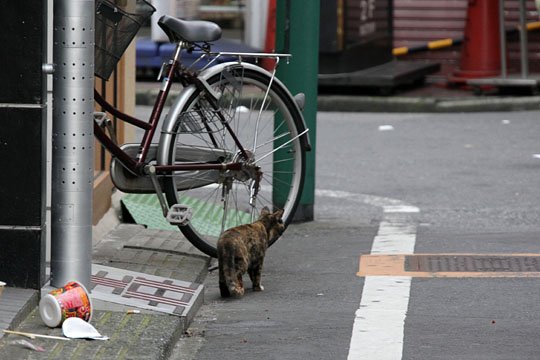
<point x="192" y="30"/>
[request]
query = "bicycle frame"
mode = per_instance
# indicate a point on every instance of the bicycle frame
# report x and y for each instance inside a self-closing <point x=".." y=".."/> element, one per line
<point x="138" y="166"/>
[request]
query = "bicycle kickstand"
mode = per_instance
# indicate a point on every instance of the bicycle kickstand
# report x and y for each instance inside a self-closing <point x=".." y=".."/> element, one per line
<point x="178" y="214"/>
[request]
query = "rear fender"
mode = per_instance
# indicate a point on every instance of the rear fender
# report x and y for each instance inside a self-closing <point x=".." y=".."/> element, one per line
<point x="169" y="122"/>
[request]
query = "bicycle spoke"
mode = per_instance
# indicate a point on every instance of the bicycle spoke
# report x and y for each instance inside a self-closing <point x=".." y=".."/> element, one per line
<point x="262" y="124"/>
<point x="271" y="141"/>
<point x="283" y="145"/>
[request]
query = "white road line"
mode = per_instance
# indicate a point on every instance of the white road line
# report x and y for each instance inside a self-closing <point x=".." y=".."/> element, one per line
<point x="394" y="237"/>
<point x="379" y="321"/>
<point x="378" y="327"/>
<point x="385" y="203"/>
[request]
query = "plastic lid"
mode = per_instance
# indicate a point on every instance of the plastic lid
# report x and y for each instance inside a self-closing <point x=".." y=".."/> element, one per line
<point x="77" y="328"/>
<point x="50" y="311"/>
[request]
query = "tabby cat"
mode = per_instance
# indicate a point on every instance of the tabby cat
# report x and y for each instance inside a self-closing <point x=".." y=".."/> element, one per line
<point x="241" y="249"/>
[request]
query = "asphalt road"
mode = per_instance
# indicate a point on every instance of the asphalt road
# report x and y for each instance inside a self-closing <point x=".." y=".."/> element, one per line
<point x="473" y="179"/>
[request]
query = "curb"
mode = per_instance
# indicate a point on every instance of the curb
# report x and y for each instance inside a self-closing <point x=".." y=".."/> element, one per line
<point x="362" y="103"/>
<point x="23" y="300"/>
<point x="425" y="104"/>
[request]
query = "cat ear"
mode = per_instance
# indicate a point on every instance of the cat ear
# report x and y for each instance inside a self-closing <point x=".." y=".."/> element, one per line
<point x="265" y="211"/>
<point x="279" y="214"/>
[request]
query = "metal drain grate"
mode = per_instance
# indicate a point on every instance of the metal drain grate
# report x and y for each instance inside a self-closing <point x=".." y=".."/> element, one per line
<point x="471" y="263"/>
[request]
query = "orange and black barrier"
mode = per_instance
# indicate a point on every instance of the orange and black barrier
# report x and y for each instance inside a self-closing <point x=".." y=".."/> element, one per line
<point x="444" y="43"/>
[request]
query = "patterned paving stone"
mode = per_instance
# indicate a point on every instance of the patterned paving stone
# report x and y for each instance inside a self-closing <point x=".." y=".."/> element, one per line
<point x="145" y="291"/>
<point x="150" y="266"/>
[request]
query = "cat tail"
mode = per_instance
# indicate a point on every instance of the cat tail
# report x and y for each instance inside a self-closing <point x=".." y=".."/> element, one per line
<point x="223" y="276"/>
<point x="233" y="275"/>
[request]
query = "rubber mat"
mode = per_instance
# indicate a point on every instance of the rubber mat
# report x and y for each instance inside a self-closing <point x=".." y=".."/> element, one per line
<point x="146" y="210"/>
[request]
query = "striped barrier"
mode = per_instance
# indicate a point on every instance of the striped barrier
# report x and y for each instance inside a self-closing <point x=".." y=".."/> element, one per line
<point x="444" y="43"/>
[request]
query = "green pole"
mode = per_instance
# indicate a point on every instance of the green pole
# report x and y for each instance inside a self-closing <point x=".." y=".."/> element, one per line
<point x="297" y="33"/>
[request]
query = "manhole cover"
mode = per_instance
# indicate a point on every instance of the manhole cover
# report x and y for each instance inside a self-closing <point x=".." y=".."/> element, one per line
<point x="471" y="263"/>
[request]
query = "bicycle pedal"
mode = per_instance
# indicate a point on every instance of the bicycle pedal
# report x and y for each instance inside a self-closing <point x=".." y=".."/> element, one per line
<point x="179" y="214"/>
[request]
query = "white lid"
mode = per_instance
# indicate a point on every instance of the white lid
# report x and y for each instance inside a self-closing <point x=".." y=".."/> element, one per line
<point x="77" y="328"/>
<point x="2" y="283"/>
<point x="50" y="311"/>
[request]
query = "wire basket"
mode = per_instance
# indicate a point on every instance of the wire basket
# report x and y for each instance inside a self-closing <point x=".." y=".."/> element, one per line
<point x="117" y="23"/>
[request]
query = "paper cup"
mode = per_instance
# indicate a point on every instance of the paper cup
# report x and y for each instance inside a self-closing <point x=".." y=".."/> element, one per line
<point x="2" y="286"/>
<point x="71" y="300"/>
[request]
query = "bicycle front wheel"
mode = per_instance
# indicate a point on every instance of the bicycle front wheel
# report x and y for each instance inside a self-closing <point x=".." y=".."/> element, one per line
<point x="265" y="121"/>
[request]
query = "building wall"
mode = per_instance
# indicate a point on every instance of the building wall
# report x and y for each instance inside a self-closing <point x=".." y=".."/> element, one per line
<point x="22" y="144"/>
<point x="419" y="21"/>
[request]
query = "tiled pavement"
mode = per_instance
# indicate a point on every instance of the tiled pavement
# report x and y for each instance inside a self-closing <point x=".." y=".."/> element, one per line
<point x="146" y="335"/>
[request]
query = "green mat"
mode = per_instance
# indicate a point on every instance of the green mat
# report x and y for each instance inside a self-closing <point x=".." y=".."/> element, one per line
<point x="146" y="210"/>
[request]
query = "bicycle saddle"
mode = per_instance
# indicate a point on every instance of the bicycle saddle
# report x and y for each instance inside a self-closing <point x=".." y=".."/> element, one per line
<point x="192" y="30"/>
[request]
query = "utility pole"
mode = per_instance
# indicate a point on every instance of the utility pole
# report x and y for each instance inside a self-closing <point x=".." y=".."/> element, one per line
<point x="297" y="33"/>
<point x="72" y="142"/>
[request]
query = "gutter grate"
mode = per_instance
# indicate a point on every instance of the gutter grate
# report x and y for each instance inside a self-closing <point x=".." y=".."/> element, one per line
<point x="471" y="263"/>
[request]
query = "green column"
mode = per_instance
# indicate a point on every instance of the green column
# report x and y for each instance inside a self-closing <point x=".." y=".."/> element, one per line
<point x="297" y="33"/>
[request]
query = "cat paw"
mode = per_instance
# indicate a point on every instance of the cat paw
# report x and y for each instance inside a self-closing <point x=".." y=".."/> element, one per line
<point x="258" y="288"/>
<point x="237" y="292"/>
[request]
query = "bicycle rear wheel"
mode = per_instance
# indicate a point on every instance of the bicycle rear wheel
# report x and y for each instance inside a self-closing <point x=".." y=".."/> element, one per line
<point x="266" y="121"/>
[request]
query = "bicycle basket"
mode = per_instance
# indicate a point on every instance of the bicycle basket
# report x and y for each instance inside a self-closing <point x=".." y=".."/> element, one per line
<point x="117" y="23"/>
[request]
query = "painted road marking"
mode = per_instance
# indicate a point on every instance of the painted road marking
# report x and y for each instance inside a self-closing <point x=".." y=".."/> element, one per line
<point x="451" y="265"/>
<point x="378" y="327"/>
<point x="379" y="322"/>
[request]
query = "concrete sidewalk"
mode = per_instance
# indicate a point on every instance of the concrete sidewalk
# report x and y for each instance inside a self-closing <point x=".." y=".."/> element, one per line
<point x="144" y="335"/>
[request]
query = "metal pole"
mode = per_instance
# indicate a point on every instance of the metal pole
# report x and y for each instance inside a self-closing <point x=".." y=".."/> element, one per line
<point x="502" y="34"/>
<point x="524" y="51"/>
<point x="72" y="142"/>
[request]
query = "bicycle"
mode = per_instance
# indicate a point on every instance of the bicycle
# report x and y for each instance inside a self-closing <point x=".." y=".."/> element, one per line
<point x="233" y="141"/>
